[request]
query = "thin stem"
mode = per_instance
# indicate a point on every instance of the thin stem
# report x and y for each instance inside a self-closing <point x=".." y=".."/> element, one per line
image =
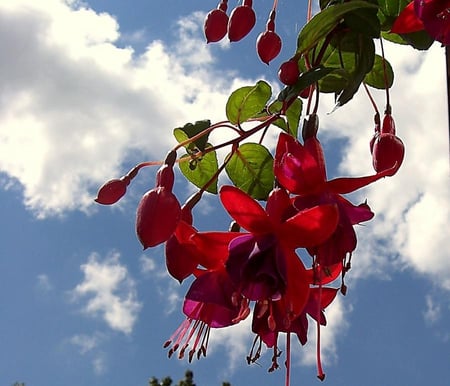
<point x="372" y="101"/>
<point x="288" y="359"/>
<point x="388" y="103"/>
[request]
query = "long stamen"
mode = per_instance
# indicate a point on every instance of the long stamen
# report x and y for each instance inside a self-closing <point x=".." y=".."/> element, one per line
<point x="288" y="359"/>
<point x="320" y="373"/>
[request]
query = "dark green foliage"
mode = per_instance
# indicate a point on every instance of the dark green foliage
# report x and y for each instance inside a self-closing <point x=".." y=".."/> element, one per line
<point x="187" y="381"/>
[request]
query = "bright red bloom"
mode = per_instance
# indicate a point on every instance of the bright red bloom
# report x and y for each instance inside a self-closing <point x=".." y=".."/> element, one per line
<point x="262" y="263"/>
<point x="301" y="170"/>
<point x="431" y="15"/>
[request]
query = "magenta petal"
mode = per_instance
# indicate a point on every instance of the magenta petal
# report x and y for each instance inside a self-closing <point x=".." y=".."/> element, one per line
<point x="356" y="214"/>
<point x="209" y="300"/>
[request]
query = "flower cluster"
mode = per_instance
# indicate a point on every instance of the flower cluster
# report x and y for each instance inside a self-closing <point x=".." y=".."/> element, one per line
<point x="284" y="258"/>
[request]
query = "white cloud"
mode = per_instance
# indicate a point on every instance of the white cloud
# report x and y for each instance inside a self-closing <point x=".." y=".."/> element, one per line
<point x="43" y="283"/>
<point x="111" y="292"/>
<point x="85" y="343"/>
<point x="433" y="311"/>
<point x="75" y="105"/>
<point x="147" y="264"/>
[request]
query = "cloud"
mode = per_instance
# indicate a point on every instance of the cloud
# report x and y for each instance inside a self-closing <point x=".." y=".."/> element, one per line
<point x="85" y="343"/>
<point x="75" y="106"/>
<point x="43" y="283"/>
<point x="111" y="292"/>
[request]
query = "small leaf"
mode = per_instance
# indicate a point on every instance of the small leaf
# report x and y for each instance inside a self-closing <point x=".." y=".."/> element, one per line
<point x="375" y="78"/>
<point x="246" y="102"/>
<point x="190" y="130"/>
<point x="324" y="22"/>
<point x="200" y="170"/>
<point x="251" y="170"/>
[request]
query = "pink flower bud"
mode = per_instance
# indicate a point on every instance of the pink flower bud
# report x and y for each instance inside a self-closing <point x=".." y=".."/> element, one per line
<point x="268" y="46"/>
<point x="388" y="152"/>
<point x="112" y="191"/>
<point x="216" y="24"/>
<point x="157" y="216"/>
<point x="241" y="22"/>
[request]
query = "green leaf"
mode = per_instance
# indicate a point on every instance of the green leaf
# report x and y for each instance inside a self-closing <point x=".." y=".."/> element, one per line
<point x="200" y="170"/>
<point x="293" y="114"/>
<point x="190" y="130"/>
<point x="364" y="60"/>
<point x="324" y="22"/>
<point x="250" y="168"/>
<point x="375" y="78"/>
<point x="246" y="102"/>
<point x="364" y="21"/>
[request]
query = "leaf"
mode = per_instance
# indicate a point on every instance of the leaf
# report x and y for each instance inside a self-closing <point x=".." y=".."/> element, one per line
<point x="364" y="21"/>
<point x="324" y="22"/>
<point x="190" y="130"/>
<point x="246" y="102"/>
<point x="250" y="168"/>
<point x="375" y="78"/>
<point x="199" y="171"/>
<point x="293" y="114"/>
<point x="364" y="60"/>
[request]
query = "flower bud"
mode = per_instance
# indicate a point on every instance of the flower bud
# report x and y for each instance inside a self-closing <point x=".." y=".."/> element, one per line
<point x="157" y="216"/>
<point x="112" y="191"/>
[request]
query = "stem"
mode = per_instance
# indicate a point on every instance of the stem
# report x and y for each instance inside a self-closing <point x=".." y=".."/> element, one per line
<point x="372" y="101"/>
<point x="320" y="373"/>
<point x="388" y="104"/>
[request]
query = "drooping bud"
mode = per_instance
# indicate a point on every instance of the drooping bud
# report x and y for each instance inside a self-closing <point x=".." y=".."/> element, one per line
<point x="388" y="152"/>
<point x="268" y="46"/>
<point x="216" y="23"/>
<point x="112" y="191"/>
<point x="289" y="72"/>
<point x="157" y="216"/>
<point x="241" y="21"/>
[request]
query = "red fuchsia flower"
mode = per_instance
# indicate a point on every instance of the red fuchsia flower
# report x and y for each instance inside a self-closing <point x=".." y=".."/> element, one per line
<point x="241" y="21"/>
<point x="301" y="170"/>
<point x="216" y="23"/>
<point x="263" y="263"/>
<point x="432" y="16"/>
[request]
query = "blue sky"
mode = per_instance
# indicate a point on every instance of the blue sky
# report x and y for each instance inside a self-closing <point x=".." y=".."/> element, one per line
<point x="89" y="89"/>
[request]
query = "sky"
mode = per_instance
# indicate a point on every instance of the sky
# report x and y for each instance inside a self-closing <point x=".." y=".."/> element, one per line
<point x="87" y="90"/>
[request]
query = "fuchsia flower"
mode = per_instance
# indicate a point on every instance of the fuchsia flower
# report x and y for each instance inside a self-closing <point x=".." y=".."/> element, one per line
<point x="261" y="263"/>
<point x="432" y="16"/>
<point x="301" y="170"/>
